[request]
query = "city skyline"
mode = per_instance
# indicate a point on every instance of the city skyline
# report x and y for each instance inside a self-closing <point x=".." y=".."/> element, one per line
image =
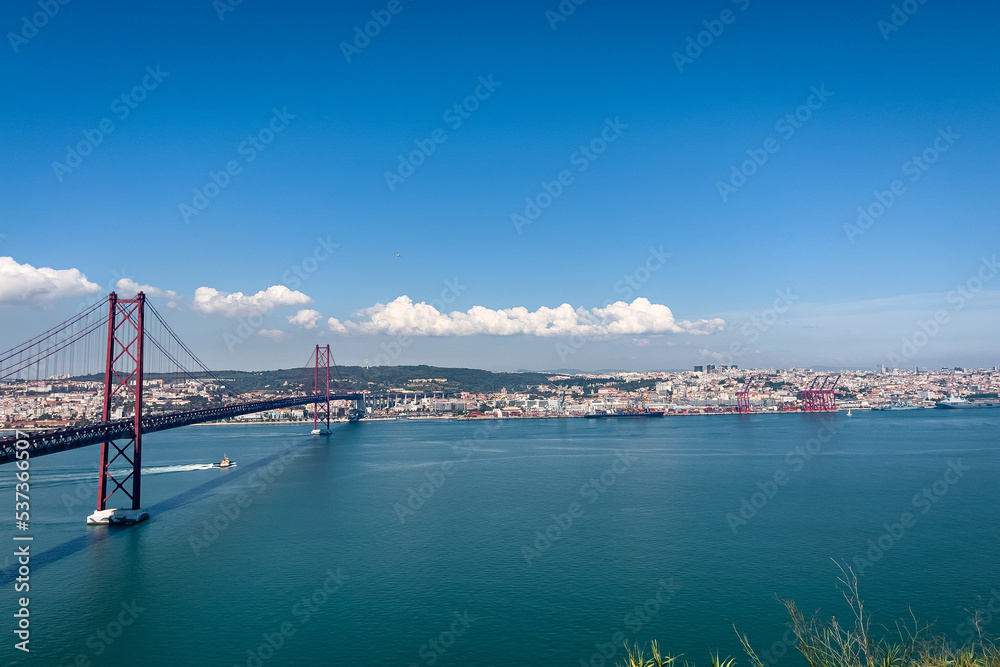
<point x="685" y="195"/>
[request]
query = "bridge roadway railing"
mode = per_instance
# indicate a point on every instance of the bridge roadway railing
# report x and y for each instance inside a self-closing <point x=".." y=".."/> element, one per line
<point x="41" y="443"/>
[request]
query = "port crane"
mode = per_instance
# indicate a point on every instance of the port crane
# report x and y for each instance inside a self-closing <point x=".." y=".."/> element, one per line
<point x="743" y="395"/>
<point x="821" y="396"/>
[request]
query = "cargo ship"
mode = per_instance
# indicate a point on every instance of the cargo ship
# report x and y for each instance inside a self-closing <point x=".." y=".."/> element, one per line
<point x="624" y="412"/>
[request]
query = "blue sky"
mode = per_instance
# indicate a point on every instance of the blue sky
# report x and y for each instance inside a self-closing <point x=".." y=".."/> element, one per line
<point x="888" y="95"/>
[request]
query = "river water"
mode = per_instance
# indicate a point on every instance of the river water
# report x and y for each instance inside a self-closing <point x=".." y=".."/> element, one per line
<point x="521" y="542"/>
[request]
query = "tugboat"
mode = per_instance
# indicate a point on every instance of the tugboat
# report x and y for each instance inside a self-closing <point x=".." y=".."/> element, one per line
<point x="225" y="462"/>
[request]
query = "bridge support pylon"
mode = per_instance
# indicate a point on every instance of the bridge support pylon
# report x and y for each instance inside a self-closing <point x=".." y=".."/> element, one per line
<point x="322" y="379"/>
<point x="358" y="411"/>
<point x="122" y="386"/>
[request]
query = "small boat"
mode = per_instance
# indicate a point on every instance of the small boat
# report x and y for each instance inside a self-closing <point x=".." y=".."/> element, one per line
<point x="225" y="462"/>
<point x="848" y="412"/>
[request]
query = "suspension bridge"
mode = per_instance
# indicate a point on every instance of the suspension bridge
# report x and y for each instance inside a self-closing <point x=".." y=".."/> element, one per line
<point x="127" y="341"/>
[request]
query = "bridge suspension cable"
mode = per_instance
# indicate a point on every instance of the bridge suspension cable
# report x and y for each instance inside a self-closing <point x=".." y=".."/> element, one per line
<point x="45" y="348"/>
<point x="173" y="336"/>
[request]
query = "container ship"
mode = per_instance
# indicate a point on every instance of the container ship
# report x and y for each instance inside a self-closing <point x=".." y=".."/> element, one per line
<point x="624" y="412"/>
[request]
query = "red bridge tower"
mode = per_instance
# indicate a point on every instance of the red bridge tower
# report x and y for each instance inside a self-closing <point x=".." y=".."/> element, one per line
<point x="122" y="379"/>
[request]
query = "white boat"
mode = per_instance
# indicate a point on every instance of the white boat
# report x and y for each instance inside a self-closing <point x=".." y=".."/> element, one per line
<point x="848" y="412"/>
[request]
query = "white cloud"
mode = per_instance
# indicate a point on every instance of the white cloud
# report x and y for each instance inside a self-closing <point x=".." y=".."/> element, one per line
<point x="714" y="356"/>
<point x="273" y="334"/>
<point x="22" y="283"/>
<point x="236" y="304"/>
<point x="306" y="319"/>
<point x="131" y="288"/>
<point x="638" y="318"/>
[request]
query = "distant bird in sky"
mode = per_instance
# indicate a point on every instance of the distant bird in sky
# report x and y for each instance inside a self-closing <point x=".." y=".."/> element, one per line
<point x="397" y="254"/>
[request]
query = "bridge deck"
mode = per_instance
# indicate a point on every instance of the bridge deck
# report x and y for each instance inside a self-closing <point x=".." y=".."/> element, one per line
<point x="60" y="440"/>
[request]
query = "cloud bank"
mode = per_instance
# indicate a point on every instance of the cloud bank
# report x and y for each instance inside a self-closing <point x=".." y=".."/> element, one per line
<point x="23" y="283"/>
<point x="641" y="317"/>
<point x="129" y="287"/>
<point x="236" y="304"/>
<point x="276" y="335"/>
<point x="307" y="319"/>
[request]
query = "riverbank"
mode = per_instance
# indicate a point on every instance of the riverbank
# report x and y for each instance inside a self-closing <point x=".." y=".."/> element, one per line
<point x="691" y="412"/>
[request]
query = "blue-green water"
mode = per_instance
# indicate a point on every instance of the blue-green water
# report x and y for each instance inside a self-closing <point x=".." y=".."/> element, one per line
<point x="331" y="544"/>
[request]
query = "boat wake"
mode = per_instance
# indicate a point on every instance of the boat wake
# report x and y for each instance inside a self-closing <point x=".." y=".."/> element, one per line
<point x="67" y="477"/>
<point x="178" y="468"/>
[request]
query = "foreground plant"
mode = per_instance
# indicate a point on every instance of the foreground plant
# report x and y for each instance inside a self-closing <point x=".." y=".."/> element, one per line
<point x="830" y="644"/>
<point x="637" y="658"/>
